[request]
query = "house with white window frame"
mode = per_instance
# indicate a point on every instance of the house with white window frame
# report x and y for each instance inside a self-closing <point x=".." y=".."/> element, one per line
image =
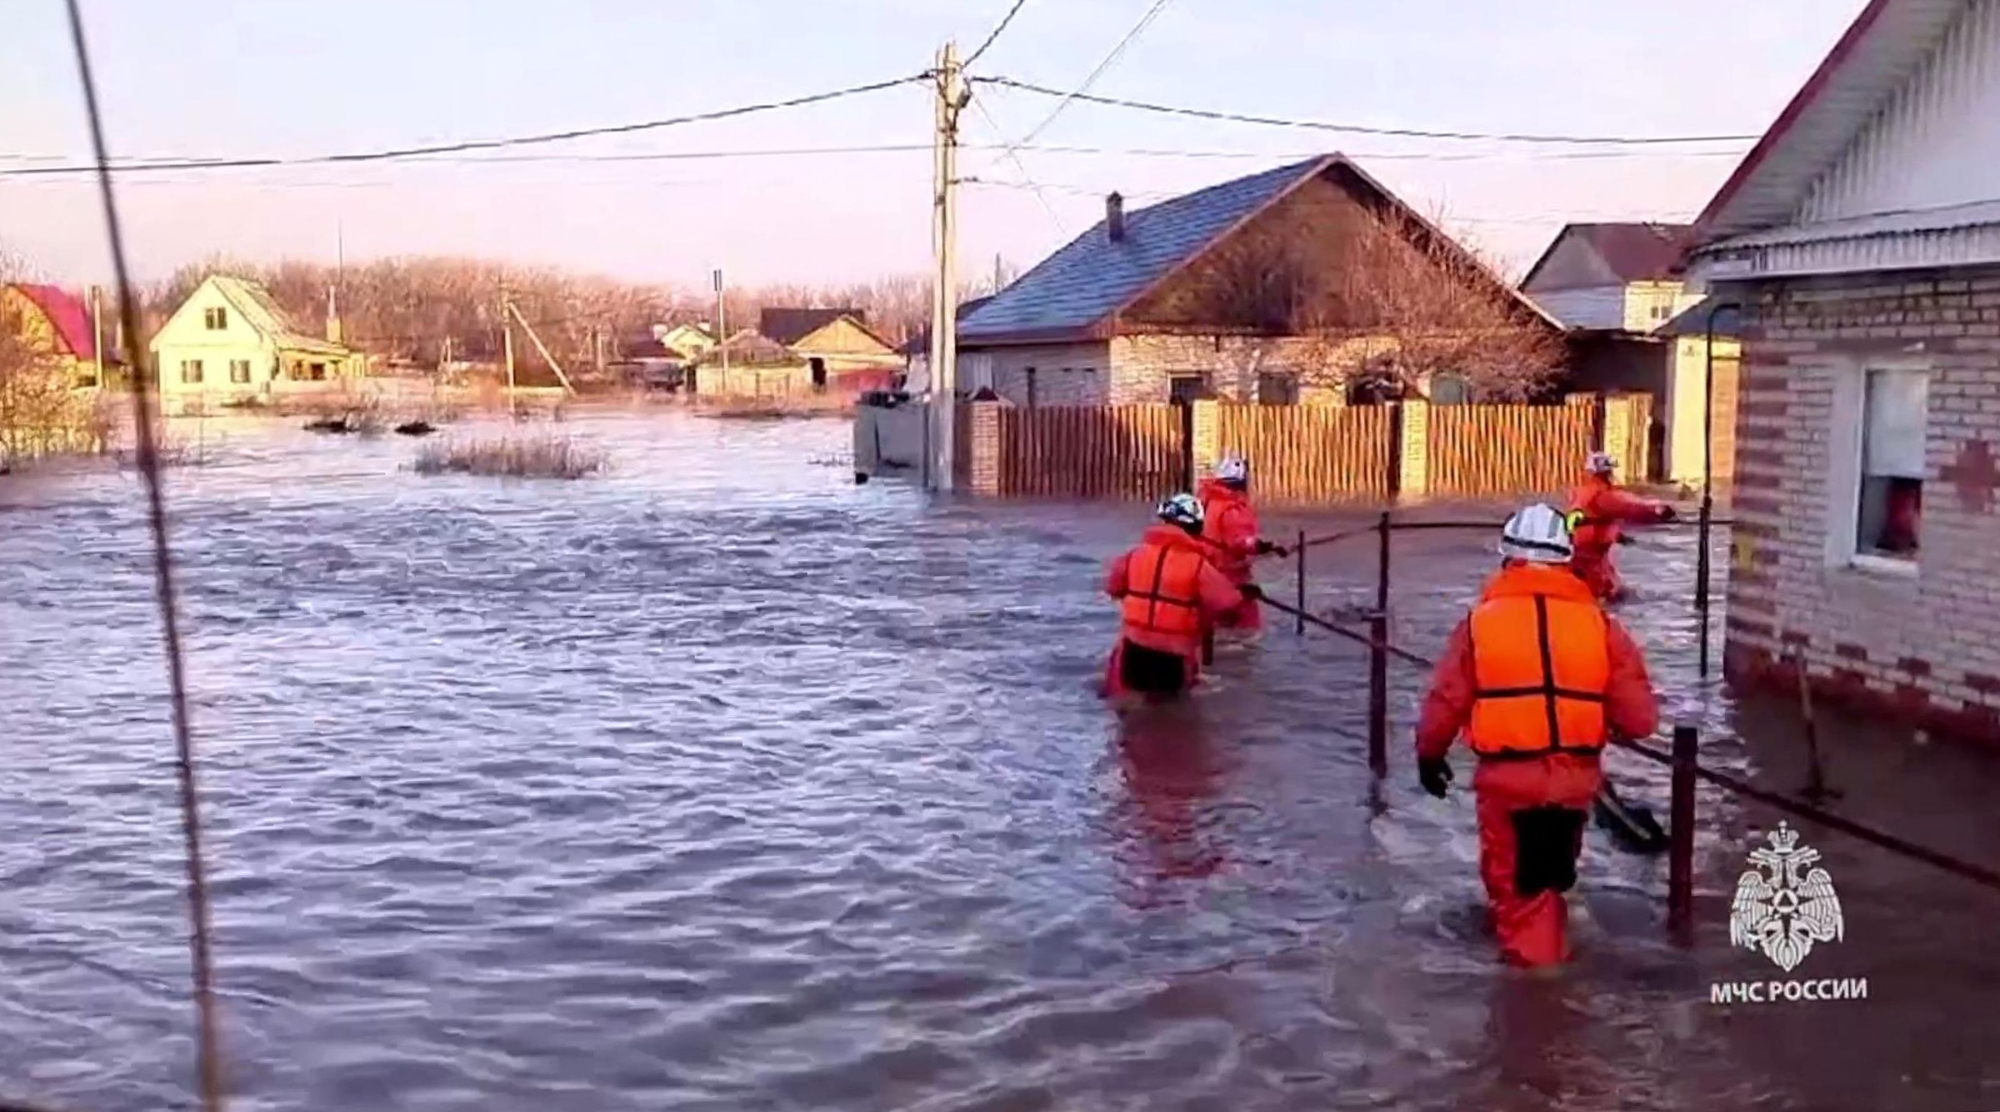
<point x="1860" y="238"/>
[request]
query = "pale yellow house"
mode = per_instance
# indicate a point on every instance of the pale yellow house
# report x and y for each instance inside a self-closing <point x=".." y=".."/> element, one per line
<point x="229" y="342"/>
<point x="687" y="342"/>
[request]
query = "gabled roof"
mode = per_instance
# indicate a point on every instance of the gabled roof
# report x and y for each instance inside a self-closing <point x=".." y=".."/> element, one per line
<point x="1078" y="292"/>
<point x="789" y="326"/>
<point x="1880" y="50"/>
<point x="751" y="347"/>
<point x="1633" y="252"/>
<point x="67" y="314"/>
<point x="262" y="312"/>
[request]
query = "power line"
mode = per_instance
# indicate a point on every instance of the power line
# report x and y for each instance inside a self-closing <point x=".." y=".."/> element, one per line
<point x="196" y="165"/>
<point x="484" y="144"/>
<point x="1082" y="91"/>
<point x="988" y="44"/>
<point x="1359" y="129"/>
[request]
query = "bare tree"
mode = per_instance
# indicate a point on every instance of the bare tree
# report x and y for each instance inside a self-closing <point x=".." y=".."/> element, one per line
<point x="1377" y="298"/>
<point x="41" y="409"/>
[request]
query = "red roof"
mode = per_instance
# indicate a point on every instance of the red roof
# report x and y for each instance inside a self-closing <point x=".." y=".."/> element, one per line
<point x="67" y="314"/>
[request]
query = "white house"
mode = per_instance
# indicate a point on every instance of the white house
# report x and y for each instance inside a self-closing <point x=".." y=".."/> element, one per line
<point x="230" y="341"/>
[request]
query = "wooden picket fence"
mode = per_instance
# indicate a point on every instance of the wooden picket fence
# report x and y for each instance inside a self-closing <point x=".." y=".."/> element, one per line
<point x="1478" y="451"/>
<point x="1129" y="451"/>
<point x="1312" y="455"/>
<point x="1298" y="454"/>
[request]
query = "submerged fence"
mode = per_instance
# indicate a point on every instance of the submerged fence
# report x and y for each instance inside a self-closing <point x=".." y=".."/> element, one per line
<point x="1298" y="454"/>
<point x="1682" y="758"/>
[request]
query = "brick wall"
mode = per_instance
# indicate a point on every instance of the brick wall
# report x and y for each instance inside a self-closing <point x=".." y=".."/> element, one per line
<point x="1065" y="374"/>
<point x="1924" y="647"/>
<point x="1142" y="367"/>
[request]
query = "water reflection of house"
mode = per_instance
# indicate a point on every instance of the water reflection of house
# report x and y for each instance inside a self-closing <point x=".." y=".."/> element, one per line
<point x="56" y="326"/>
<point x="1161" y="303"/>
<point x="231" y="341"/>
<point x="1861" y="238"/>
<point x="1617" y="288"/>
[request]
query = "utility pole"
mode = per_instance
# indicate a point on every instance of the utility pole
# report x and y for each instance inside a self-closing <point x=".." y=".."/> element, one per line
<point x="952" y="97"/>
<point x="507" y="343"/>
<point x="721" y="328"/>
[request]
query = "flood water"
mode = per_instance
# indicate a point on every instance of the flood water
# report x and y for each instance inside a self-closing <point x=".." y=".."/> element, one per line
<point x="723" y="783"/>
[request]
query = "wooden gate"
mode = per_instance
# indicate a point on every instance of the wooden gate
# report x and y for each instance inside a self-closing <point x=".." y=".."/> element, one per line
<point x="1127" y="451"/>
<point x="1311" y="454"/>
<point x="1480" y="451"/>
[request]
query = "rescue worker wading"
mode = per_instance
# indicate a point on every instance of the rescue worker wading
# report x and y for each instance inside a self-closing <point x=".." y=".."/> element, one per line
<point x="1537" y="679"/>
<point x="1169" y="591"/>
<point x="1598" y="509"/>
<point x="1232" y="530"/>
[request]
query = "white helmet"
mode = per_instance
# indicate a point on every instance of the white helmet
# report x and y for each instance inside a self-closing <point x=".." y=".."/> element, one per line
<point x="1183" y="510"/>
<point x="1600" y="463"/>
<point x="1537" y="534"/>
<point x="1233" y="470"/>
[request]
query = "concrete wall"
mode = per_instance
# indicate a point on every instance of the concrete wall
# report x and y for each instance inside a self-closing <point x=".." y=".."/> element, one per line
<point x="1919" y="639"/>
<point x="888" y="439"/>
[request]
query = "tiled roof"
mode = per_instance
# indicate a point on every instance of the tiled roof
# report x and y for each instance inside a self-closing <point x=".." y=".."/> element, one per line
<point x="1092" y="277"/>
<point x="789" y="326"/>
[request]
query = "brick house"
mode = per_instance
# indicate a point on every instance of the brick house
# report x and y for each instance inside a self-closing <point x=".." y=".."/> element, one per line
<point x="1861" y="238"/>
<point x="1618" y="288"/>
<point x="1136" y="310"/>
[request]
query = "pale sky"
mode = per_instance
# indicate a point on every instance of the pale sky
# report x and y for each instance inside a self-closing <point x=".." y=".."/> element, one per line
<point x="249" y="78"/>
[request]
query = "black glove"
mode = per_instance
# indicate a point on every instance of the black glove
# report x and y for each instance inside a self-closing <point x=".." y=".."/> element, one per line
<point x="1252" y="591"/>
<point x="1434" y="773"/>
<point x="1266" y="548"/>
<point x="1668" y="513"/>
<point x="1624" y="538"/>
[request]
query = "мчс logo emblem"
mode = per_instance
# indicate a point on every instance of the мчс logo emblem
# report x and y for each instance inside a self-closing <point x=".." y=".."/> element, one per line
<point x="1782" y="906"/>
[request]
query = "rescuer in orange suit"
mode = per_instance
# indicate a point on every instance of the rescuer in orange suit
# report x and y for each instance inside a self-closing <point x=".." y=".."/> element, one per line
<point x="1169" y="591"/>
<point x="1537" y="679"/>
<point x="1231" y="527"/>
<point x="1598" y="509"/>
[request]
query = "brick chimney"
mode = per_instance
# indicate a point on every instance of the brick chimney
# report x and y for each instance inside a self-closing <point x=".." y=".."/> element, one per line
<point x="1114" y="218"/>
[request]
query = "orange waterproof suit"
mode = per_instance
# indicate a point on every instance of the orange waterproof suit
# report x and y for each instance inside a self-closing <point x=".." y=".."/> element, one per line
<point x="1537" y="679"/>
<point x="1229" y="524"/>
<point x="1169" y="592"/>
<point x="1599" y="509"/>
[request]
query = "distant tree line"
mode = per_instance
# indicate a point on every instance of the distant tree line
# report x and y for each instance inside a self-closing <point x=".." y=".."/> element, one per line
<point x="418" y="309"/>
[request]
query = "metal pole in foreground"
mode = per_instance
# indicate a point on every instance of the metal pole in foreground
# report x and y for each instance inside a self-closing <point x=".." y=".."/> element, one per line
<point x="1680" y="834"/>
<point x="1300" y="553"/>
<point x="1378" y="660"/>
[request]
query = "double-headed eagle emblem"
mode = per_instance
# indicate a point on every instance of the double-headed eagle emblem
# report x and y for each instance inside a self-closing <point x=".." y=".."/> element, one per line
<point x="1784" y="905"/>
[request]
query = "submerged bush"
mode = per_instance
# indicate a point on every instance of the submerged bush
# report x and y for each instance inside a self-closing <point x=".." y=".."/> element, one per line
<point x="519" y="457"/>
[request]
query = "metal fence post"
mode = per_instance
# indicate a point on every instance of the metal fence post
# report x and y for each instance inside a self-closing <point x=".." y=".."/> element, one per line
<point x="1680" y="834"/>
<point x="1378" y="659"/>
<point x="1300" y="619"/>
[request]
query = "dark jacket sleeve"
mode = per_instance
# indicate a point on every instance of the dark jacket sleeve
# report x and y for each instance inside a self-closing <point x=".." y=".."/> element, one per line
<point x="1448" y="708"/>
<point x="1630" y="706"/>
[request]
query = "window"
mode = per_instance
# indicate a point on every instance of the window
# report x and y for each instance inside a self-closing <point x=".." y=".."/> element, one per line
<point x="1449" y="389"/>
<point x="191" y="372"/>
<point x="1277" y="388"/>
<point x="318" y="372"/>
<point x="1889" y="498"/>
<point x="1182" y="389"/>
<point x="239" y="371"/>
<point x="1662" y="310"/>
<point x="216" y="318"/>
<point x="1032" y="391"/>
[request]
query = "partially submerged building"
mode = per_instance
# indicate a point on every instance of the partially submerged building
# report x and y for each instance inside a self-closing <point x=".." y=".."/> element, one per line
<point x="1861" y="240"/>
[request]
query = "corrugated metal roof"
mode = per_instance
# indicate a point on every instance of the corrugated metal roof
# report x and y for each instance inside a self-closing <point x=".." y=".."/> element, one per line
<point x="262" y="312"/>
<point x="788" y="326"/>
<point x="1632" y="252"/>
<point x="1092" y="277"/>
<point x="1878" y="53"/>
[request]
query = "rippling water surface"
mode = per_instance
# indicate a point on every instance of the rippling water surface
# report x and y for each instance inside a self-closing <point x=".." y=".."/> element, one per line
<point x="722" y="783"/>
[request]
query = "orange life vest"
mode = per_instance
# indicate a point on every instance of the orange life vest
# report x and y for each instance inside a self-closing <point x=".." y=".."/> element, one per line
<point x="1541" y="665"/>
<point x="1163" y="588"/>
<point x="1590" y="532"/>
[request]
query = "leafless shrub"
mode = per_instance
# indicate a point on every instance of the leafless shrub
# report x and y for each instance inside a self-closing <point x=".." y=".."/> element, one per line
<point x="519" y="457"/>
